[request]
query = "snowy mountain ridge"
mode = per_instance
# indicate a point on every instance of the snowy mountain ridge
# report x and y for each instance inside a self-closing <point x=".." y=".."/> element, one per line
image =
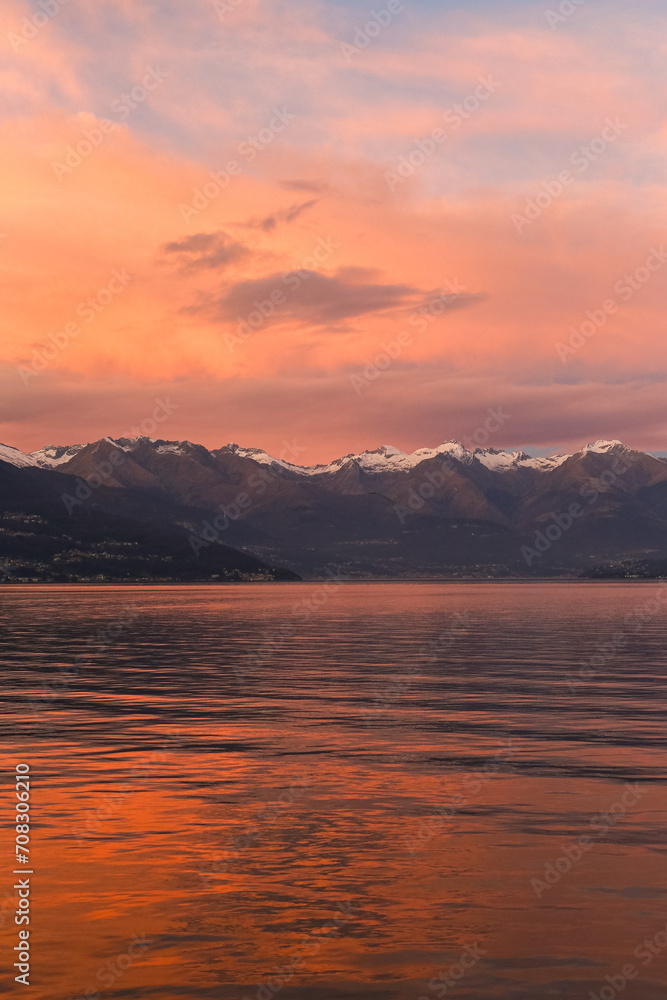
<point x="384" y="459"/>
<point x="387" y="458"/>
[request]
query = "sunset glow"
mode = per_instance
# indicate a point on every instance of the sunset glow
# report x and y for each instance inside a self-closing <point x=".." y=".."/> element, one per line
<point x="477" y="183"/>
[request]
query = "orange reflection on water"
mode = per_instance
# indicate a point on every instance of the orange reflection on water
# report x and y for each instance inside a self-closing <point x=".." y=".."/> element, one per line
<point x="348" y="817"/>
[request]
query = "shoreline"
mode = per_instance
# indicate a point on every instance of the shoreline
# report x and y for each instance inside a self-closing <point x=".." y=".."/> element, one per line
<point x="317" y="580"/>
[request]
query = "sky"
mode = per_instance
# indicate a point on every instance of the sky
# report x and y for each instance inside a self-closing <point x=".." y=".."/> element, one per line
<point x="318" y="227"/>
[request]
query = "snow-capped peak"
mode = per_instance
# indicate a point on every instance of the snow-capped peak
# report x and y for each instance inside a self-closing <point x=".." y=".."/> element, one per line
<point x="378" y="461"/>
<point x="15" y="457"/>
<point x="385" y="449"/>
<point x="130" y="444"/>
<point x="382" y="459"/>
<point x="504" y="461"/>
<point x="54" y="455"/>
<point x="387" y="458"/>
<point x="173" y="447"/>
<point x="451" y="448"/>
<point x="257" y="455"/>
<point x="602" y="447"/>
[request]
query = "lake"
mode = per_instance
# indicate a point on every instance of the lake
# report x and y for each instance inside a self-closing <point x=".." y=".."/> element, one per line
<point x="318" y="791"/>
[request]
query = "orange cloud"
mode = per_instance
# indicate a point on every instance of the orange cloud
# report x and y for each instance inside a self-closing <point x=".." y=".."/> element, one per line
<point x="88" y="197"/>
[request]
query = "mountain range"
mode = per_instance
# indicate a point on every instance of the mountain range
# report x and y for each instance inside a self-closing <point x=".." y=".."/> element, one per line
<point x="120" y="509"/>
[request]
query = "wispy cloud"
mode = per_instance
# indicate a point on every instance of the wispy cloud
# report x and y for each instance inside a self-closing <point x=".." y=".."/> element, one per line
<point x="269" y="222"/>
<point x="310" y="298"/>
<point x="451" y="218"/>
<point x="207" y="251"/>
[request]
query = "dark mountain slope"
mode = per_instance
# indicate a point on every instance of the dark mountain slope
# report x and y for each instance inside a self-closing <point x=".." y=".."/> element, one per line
<point x="116" y="534"/>
<point x="438" y="512"/>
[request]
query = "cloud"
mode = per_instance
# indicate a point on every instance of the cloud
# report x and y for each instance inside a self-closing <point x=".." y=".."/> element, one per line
<point x="450" y="219"/>
<point x="269" y="222"/>
<point x="408" y="409"/>
<point x="309" y="297"/>
<point x="207" y="251"/>
<point x="444" y="300"/>
<point x="316" y="187"/>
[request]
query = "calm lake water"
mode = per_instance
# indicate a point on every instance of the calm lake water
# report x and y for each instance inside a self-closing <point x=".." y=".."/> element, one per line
<point x="380" y="791"/>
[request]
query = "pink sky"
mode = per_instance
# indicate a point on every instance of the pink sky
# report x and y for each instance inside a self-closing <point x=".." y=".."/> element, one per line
<point x="342" y="233"/>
